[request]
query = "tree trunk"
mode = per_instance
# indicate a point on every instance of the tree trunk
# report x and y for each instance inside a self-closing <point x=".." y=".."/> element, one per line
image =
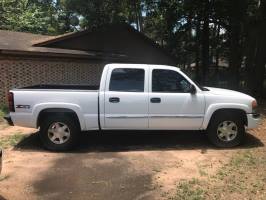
<point x="205" y="41"/>
<point x="251" y="46"/>
<point x="237" y="11"/>
<point x="260" y="59"/>
<point x="256" y="48"/>
<point x="197" y="61"/>
<point x="138" y="15"/>
<point x="217" y="54"/>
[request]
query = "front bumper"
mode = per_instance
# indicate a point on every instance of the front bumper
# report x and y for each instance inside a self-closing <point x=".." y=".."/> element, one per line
<point x="9" y="120"/>
<point x="253" y="120"/>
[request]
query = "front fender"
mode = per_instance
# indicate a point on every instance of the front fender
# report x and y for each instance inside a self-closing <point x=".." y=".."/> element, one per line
<point x="214" y="107"/>
<point x="74" y="107"/>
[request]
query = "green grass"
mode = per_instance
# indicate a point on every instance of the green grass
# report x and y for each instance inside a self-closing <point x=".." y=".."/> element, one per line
<point x="238" y="165"/>
<point x="12" y="140"/>
<point x="3" y="177"/>
<point x="189" y="190"/>
<point x="3" y="112"/>
<point x="244" y="177"/>
<point x="203" y="169"/>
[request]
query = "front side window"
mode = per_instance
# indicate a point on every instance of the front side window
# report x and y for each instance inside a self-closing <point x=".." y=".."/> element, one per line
<point x="169" y="81"/>
<point x="127" y="80"/>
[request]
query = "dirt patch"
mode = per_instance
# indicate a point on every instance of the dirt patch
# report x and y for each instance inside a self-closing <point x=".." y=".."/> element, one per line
<point x="93" y="176"/>
<point x="122" y="166"/>
<point x="243" y="177"/>
<point x="21" y="171"/>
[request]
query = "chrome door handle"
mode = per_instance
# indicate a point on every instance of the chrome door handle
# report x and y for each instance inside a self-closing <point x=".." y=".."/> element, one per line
<point x="156" y="100"/>
<point x="114" y="100"/>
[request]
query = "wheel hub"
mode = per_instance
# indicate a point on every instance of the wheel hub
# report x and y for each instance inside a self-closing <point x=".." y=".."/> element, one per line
<point x="58" y="133"/>
<point x="227" y="131"/>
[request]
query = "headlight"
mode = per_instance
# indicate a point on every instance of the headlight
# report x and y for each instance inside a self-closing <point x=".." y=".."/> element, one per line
<point x="254" y="106"/>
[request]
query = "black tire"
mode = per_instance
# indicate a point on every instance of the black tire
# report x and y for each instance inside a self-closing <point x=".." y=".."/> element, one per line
<point x="216" y="121"/>
<point x="74" y="132"/>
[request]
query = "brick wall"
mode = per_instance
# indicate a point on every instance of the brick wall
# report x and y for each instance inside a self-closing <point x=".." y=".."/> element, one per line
<point x="17" y="72"/>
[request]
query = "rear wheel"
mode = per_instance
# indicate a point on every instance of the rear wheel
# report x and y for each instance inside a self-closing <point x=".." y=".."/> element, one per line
<point x="226" y="130"/>
<point x="59" y="132"/>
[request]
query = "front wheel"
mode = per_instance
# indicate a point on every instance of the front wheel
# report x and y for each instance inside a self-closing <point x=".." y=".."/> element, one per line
<point x="59" y="132"/>
<point x="226" y="130"/>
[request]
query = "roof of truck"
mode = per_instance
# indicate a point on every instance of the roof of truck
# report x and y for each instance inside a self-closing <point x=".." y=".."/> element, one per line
<point x="139" y="65"/>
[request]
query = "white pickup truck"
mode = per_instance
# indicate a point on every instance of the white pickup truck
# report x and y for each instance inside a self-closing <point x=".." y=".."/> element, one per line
<point x="133" y="97"/>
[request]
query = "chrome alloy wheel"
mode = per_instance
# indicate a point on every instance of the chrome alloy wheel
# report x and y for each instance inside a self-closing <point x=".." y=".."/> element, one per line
<point x="58" y="133"/>
<point x="227" y="131"/>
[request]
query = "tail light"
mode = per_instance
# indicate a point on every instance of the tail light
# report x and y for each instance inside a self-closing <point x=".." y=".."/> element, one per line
<point x="11" y="105"/>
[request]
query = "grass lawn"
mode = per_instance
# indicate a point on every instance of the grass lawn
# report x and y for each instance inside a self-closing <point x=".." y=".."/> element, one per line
<point x="3" y="112"/>
<point x="244" y="177"/>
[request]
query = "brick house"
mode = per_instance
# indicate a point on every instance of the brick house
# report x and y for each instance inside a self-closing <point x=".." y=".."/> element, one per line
<point x="75" y="58"/>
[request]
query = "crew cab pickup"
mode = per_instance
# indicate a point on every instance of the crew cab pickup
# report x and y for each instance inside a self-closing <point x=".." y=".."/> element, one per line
<point x="133" y="97"/>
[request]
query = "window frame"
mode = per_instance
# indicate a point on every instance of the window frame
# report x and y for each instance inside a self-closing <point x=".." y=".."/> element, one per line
<point x="167" y="92"/>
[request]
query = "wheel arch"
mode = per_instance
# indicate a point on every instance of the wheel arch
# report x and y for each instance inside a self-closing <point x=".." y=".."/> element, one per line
<point x="212" y="113"/>
<point x="59" y="111"/>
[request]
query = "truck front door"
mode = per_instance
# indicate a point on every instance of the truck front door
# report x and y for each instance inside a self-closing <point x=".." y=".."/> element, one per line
<point x="171" y="105"/>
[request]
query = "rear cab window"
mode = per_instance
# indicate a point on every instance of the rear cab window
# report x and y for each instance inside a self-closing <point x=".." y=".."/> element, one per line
<point x="127" y="80"/>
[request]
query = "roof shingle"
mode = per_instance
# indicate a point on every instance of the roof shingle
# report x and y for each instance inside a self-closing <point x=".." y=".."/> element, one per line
<point x="12" y="42"/>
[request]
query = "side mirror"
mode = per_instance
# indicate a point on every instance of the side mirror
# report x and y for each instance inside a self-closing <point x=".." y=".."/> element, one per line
<point x="192" y="89"/>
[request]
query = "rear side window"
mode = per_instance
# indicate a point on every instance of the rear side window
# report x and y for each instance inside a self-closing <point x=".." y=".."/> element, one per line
<point x="169" y="81"/>
<point x="127" y="80"/>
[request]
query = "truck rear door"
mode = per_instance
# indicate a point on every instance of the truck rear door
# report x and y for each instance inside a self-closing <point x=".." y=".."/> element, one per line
<point x="126" y="98"/>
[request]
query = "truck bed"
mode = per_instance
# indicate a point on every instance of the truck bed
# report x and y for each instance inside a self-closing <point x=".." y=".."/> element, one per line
<point x="62" y="87"/>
